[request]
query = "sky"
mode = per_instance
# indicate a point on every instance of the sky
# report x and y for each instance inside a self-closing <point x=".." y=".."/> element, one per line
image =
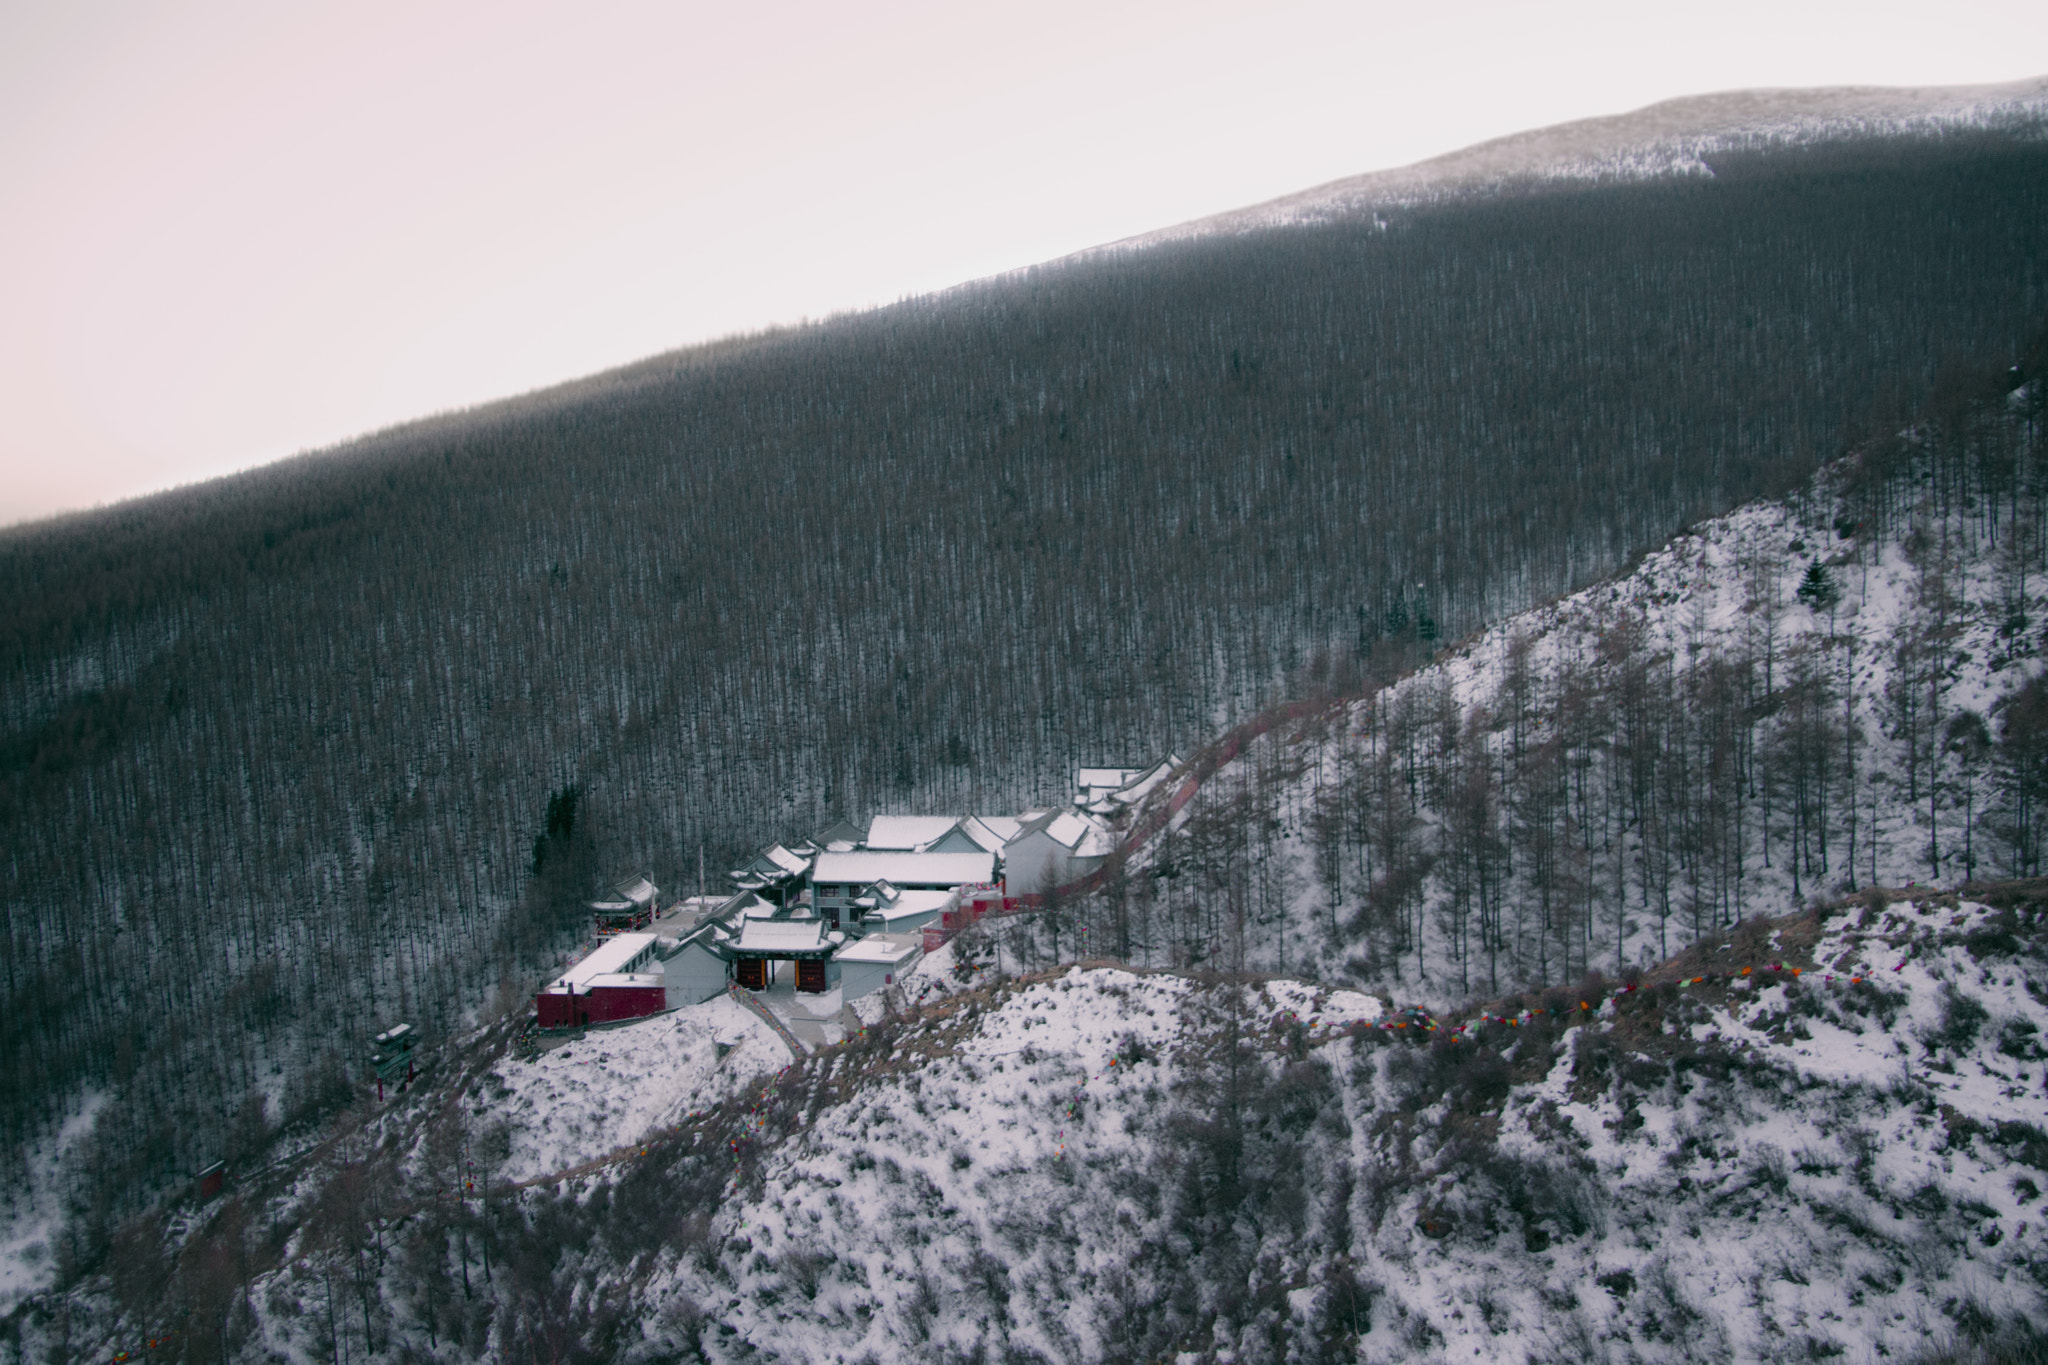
<point x="235" y="230"/>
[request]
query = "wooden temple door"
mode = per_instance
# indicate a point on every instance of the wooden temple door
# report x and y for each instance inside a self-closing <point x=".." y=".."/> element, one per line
<point x="751" y="972"/>
<point x="810" y="975"/>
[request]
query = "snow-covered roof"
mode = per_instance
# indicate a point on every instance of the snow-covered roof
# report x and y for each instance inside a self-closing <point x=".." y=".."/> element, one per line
<point x="1068" y="828"/>
<point x="1064" y="828"/>
<point x="991" y="831"/>
<point x="1095" y="781"/>
<point x="912" y="902"/>
<point x="1140" y="783"/>
<point x="615" y="954"/>
<point x="784" y="859"/>
<point x="839" y="831"/>
<point x="636" y="888"/>
<point x="908" y="831"/>
<point x="617" y="979"/>
<point x="1096" y="843"/>
<point x="908" y="905"/>
<point x="706" y="936"/>
<point x="782" y="936"/>
<point x="864" y="867"/>
<point x="893" y="949"/>
<point x="771" y="864"/>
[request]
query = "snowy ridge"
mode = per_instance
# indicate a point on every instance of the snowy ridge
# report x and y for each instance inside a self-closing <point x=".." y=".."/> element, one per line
<point x="1685" y="1162"/>
<point x="1669" y="138"/>
<point x="1832" y="1148"/>
<point x="1697" y="1160"/>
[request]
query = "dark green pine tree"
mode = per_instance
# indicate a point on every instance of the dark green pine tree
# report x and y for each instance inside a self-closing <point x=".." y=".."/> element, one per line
<point x="1817" y="590"/>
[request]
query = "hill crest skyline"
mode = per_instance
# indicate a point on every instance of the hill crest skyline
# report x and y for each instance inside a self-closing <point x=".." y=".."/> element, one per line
<point x="1664" y="138"/>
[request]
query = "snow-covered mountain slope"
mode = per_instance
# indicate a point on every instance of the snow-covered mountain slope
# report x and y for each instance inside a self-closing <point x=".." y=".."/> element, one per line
<point x="1671" y="137"/>
<point x="611" y="1088"/>
<point x="1815" y="1133"/>
<point x="1806" y="696"/>
<point x="1837" y="1152"/>
<point x="1099" y="1164"/>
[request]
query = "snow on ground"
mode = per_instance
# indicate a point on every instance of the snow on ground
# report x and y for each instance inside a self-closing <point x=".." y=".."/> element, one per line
<point x="1840" y="1189"/>
<point x="616" y="1086"/>
<point x="982" y="1128"/>
<point x="27" y="1258"/>
<point x="1083" y="1016"/>
<point x="1840" y="1170"/>
<point x="1746" y="1168"/>
<point x="1323" y="1011"/>
<point x="1728" y="585"/>
<point x="613" y="1087"/>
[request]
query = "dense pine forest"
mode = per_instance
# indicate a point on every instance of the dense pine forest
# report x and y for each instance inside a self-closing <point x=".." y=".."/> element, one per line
<point x="280" y="752"/>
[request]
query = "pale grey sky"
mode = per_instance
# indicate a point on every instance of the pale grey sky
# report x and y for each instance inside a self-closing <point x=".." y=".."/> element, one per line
<point x="232" y="230"/>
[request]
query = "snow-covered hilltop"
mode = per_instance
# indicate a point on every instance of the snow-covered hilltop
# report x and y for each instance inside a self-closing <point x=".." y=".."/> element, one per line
<point x="1672" y="137"/>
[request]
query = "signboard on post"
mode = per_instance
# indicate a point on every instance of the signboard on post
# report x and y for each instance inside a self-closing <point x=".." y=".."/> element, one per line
<point x="391" y="1057"/>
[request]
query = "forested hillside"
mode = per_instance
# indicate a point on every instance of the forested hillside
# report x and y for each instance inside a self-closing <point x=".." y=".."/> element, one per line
<point x="1834" y="690"/>
<point x="278" y="750"/>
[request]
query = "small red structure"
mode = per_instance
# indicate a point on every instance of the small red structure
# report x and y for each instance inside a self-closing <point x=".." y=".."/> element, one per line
<point x="975" y="904"/>
<point x="601" y="1003"/>
<point x="606" y="986"/>
<point x="212" y="1178"/>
